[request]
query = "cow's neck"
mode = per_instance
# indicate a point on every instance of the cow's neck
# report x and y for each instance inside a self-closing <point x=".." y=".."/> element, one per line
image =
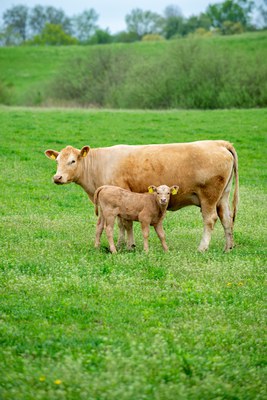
<point x="86" y="178"/>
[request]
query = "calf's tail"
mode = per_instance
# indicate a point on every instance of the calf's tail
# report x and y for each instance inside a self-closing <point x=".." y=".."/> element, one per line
<point x="232" y="150"/>
<point x="96" y="200"/>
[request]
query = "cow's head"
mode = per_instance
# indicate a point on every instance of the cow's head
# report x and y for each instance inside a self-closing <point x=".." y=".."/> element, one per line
<point x="163" y="193"/>
<point x="68" y="163"/>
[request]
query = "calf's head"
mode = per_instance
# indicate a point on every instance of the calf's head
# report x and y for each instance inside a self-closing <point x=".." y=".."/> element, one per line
<point x="163" y="193"/>
<point x="68" y="163"/>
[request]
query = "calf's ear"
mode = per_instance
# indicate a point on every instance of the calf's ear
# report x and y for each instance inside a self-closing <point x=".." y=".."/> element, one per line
<point x="174" y="189"/>
<point x="152" y="189"/>
<point x="52" y="154"/>
<point x="84" y="151"/>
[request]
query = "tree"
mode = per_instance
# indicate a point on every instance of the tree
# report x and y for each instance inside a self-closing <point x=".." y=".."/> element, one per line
<point x="8" y="37"/>
<point x="143" y="22"/>
<point x="53" y="35"/>
<point x="230" y="10"/>
<point x="40" y="16"/>
<point x="15" y="21"/>
<point x="125" y="37"/>
<point x="37" y="19"/>
<point x="174" y="21"/>
<point x="101" y="37"/>
<point x="85" y="25"/>
<point x="201" y="21"/>
<point x="262" y="13"/>
<point x="56" y="16"/>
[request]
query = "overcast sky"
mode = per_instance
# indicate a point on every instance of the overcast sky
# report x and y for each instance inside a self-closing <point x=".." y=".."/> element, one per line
<point x="112" y="13"/>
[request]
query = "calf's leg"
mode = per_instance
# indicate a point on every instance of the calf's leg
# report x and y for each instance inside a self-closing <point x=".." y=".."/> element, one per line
<point x="161" y="234"/>
<point x="99" y="230"/>
<point x="109" y="227"/>
<point x="145" y="232"/>
<point x="121" y="238"/>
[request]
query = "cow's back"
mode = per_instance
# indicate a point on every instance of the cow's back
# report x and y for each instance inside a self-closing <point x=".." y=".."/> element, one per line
<point x="192" y="166"/>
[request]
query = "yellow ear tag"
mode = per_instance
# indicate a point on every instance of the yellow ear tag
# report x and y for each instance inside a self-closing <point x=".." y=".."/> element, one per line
<point x="53" y="156"/>
<point x="174" y="191"/>
<point x="84" y="153"/>
<point x="150" y="190"/>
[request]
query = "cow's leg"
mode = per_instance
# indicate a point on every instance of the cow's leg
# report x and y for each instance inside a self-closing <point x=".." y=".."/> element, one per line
<point x="226" y="219"/>
<point x="109" y="227"/>
<point x="129" y="229"/>
<point x="161" y="234"/>
<point x="210" y="216"/>
<point x="99" y="230"/>
<point x="145" y="232"/>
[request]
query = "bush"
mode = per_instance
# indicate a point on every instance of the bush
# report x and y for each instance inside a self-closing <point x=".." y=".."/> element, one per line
<point x="152" y="38"/>
<point x="5" y="94"/>
<point x="187" y="75"/>
<point x="95" y="80"/>
<point x="52" y="35"/>
<point x="190" y="76"/>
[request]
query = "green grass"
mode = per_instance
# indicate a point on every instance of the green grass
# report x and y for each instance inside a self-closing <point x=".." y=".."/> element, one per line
<point x="77" y="323"/>
<point x="28" y="71"/>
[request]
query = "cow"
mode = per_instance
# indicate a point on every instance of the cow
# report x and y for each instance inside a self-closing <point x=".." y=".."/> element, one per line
<point x="204" y="171"/>
<point x="147" y="208"/>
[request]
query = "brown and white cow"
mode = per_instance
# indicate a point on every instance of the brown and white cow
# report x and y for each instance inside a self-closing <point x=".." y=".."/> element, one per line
<point x="204" y="171"/>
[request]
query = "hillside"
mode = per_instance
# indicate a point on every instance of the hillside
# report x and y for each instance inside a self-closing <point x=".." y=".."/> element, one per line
<point x="26" y="73"/>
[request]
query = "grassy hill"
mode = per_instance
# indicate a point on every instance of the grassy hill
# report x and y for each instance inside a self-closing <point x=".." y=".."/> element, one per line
<point x="27" y="73"/>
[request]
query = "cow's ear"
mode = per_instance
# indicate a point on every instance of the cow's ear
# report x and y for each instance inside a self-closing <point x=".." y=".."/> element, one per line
<point x="152" y="189"/>
<point x="84" y="151"/>
<point x="52" y="154"/>
<point x="174" y="189"/>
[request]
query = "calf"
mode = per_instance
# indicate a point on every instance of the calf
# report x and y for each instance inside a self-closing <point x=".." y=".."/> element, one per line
<point x="147" y="208"/>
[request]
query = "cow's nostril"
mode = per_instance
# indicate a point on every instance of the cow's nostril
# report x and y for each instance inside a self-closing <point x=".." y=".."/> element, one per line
<point x="57" y="178"/>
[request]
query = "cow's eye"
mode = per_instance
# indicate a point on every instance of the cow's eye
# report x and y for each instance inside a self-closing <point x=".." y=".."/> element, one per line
<point x="73" y="161"/>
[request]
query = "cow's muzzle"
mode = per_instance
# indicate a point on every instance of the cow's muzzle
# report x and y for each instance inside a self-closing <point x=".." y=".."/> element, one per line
<point x="57" y="179"/>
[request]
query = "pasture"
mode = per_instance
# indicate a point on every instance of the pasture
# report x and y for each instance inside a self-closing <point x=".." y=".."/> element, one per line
<point x="78" y="323"/>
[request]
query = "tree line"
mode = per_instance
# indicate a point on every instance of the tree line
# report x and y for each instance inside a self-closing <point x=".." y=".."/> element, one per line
<point x="47" y="25"/>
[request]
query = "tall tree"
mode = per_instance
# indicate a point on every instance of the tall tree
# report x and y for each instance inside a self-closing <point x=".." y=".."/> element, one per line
<point x="197" y="21"/>
<point x="56" y="16"/>
<point x="174" y="22"/>
<point x="40" y="16"/>
<point x="37" y="19"/>
<point x="262" y="13"/>
<point x="85" y="25"/>
<point x="16" y="21"/>
<point x="143" y="22"/>
<point x="236" y="11"/>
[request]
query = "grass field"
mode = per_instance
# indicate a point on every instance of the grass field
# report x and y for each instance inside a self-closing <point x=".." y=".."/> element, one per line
<point x="27" y="71"/>
<point x="77" y="323"/>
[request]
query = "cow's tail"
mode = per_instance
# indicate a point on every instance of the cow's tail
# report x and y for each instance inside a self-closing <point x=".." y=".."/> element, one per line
<point x="96" y="199"/>
<point x="232" y="150"/>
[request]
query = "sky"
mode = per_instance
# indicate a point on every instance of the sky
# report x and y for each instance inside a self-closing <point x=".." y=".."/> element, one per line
<point x="112" y="13"/>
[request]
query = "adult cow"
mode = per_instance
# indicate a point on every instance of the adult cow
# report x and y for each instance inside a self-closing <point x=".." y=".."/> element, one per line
<point x="203" y="170"/>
